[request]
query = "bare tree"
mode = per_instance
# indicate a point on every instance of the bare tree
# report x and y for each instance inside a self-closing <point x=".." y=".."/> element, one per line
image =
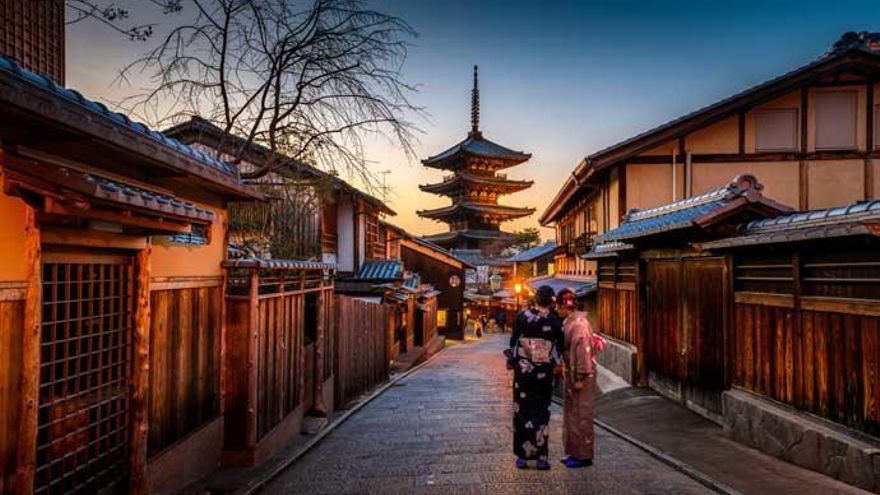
<point x="115" y="17"/>
<point x="306" y="81"/>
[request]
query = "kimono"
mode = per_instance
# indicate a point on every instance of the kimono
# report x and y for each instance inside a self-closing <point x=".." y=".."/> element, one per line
<point x="580" y="380"/>
<point x="537" y="344"/>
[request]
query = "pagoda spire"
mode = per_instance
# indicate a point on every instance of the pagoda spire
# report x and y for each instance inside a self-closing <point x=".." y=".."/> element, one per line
<point x="475" y="107"/>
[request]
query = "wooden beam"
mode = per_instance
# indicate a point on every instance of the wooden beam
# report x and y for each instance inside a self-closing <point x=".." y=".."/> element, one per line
<point x="123" y="217"/>
<point x="741" y="132"/>
<point x="26" y="445"/>
<point x="93" y="238"/>
<point x="253" y="342"/>
<point x="869" y="140"/>
<point x="140" y="379"/>
<point x="765" y="299"/>
<point x="803" y="168"/>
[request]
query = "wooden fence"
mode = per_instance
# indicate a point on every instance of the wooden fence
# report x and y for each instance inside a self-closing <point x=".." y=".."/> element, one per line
<point x="184" y="363"/>
<point x="806" y="331"/>
<point x="278" y="336"/>
<point x="361" y="354"/>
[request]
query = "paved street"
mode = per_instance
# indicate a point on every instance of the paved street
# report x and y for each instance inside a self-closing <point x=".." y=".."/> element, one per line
<point x="447" y="429"/>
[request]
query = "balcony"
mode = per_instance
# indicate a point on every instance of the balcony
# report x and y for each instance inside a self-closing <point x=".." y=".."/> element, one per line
<point x="580" y="245"/>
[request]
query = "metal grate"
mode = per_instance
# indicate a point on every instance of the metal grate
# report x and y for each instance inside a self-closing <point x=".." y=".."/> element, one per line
<point x="83" y="438"/>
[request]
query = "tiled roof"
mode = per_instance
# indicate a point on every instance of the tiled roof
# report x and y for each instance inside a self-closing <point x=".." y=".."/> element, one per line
<point x="673" y="220"/>
<point x="803" y="226"/>
<point x="502" y="210"/>
<point x="130" y="195"/>
<point x="475" y="257"/>
<point x="494" y="182"/>
<point x="469" y="234"/>
<point x="581" y="288"/>
<point x="197" y="128"/>
<point x="277" y="264"/>
<point x="684" y="213"/>
<point x="11" y="66"/>
<point x="478" y="146"/>
<point x="380" y="270"/>
<point x="607" y="250"/>
<point x="535" y="252"/>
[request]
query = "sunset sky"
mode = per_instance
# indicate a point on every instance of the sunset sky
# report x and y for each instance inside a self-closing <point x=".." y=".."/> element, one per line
<point x="558" y="79"/>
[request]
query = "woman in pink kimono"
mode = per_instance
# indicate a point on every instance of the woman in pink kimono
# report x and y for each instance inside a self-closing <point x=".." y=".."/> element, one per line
<point x="580" y="380"/>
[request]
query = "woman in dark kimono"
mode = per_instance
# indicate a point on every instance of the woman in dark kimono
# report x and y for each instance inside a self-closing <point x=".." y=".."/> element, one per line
<point x="537" y="344"/>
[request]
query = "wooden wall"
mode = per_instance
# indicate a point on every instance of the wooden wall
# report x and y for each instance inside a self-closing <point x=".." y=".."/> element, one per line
<point x="617" y="300"/>
<point x="11" y="328"/>
<point x="806" y="331"/>
<point x="273" y="366"/>
<point x="185" y="339"/>
<point x="361" y="353"/>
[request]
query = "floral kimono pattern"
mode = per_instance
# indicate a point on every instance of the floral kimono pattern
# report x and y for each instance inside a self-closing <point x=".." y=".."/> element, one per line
<point x="580" y="378"/>
<point x="536" y="341"/>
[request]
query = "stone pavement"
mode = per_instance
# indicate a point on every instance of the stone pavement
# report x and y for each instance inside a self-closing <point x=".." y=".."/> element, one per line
<point x="446" y="429"/>
<point x="696" y="441"/>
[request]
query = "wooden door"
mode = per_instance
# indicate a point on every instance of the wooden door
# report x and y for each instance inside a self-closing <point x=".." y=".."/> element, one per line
<point x="86" y="355"/>
<point x="703" y="321"/>
<point x="665" y="306"/>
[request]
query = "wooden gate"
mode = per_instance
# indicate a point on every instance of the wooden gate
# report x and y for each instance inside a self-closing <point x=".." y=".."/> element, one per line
<point x="686" y="302"/>
<point x="83" y="414"/>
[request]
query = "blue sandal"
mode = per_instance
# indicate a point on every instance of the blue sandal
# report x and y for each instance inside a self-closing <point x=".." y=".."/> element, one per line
<point x="521" y="463"/>
<point x="573" y="463"/>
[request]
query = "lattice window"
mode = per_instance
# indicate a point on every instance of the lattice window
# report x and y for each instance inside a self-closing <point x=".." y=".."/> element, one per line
<point x="83" y="439"/>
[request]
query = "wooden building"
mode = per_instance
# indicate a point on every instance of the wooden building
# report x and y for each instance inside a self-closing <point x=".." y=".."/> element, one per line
<point x="311" y="214"/>
<point x="111" y="296"/>
<point x="665" y="300"/>
<point x="446" y="274"/>
<point x="474" y="186"/>
<point x="753" y="315"/>
<point x="534" y="262"/>
<point x="811" y="135"/>
<point x="804" y="299"/>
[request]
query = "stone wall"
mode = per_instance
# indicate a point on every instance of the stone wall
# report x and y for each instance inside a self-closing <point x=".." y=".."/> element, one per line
<point x="802" y="439"/>
<point x="620" y="358"/>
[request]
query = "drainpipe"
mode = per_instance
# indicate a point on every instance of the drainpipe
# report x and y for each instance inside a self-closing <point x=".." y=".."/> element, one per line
<point x="688" y="175"/>
<point x="674" y="179"/>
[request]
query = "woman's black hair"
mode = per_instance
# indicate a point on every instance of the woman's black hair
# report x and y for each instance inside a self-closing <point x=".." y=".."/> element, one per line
<point x="544" y="296"/>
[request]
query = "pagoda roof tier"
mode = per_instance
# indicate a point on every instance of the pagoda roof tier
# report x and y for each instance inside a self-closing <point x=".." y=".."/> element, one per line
<point x="455" y="182"/>
<point x="475" y="234"/>
<point x="490" y="210"/>
<point x="476" y="146"/>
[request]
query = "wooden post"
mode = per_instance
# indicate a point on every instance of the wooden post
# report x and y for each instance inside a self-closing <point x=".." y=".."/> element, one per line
<point x="140" y="379"/>
<point x="319" y="408"/>
<point x="253" y="346"/>
<point x="26" y="446"/>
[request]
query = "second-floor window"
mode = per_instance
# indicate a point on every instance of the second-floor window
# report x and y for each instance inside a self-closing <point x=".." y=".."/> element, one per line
<point x="836" y="119"/>
<point x="776" y="129"/>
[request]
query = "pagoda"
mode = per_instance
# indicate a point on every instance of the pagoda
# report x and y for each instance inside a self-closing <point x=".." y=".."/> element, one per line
<point x="474" y="186"/>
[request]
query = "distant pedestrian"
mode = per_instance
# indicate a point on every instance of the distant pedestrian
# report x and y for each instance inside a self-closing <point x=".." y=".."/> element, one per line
<point x="536" y="345"/>
<point x="501" y="318"/>
<point x="579" y="352"/>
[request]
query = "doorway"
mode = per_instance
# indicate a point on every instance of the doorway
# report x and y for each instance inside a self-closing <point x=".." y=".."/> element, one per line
<point x="86" y="355"/>
<point x="685" y="326"/>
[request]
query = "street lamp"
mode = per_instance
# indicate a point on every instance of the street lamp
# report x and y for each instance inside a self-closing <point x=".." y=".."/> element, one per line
<point x="517" y="288"/>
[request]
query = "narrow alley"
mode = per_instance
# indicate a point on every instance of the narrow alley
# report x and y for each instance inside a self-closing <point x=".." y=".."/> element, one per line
<point x="447" y="429"/>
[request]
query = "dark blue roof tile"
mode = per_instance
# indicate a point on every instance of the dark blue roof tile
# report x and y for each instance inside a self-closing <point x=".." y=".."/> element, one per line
<point x="8" y="64"/>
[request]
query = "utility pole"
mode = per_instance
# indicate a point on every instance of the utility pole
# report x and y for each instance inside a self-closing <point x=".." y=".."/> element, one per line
<point x="384" y="174"/>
